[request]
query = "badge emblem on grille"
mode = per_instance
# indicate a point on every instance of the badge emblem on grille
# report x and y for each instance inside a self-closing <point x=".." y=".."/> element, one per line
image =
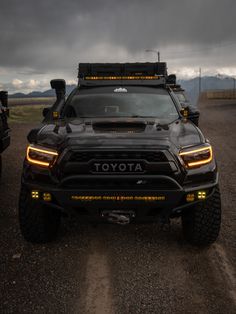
<point x="120" y="167"/>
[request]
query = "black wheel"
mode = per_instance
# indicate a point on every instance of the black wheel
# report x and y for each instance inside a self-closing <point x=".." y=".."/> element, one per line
<point x="38" y="223"/>
<point x="201" y="224"/>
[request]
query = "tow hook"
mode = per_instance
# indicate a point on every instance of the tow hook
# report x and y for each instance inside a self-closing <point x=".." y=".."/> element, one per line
<point x="118" y="217"/>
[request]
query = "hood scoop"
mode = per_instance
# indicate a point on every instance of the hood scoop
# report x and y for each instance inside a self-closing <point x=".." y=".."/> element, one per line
<point x="119" y="127"/>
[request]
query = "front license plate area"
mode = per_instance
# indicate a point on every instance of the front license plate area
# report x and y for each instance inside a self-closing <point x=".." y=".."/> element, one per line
<point x="120" y="217"/>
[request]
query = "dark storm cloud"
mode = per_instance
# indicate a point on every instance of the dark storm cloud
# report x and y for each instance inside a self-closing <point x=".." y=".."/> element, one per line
<point x="54" y="35"/>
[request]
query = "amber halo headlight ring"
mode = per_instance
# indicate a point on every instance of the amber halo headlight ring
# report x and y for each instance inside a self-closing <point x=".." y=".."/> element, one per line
<point x="41" y="156"/>
<point x="196" y="157"/>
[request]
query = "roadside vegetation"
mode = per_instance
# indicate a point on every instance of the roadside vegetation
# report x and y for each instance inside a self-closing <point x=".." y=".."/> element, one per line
<point x="26" y="114"/>
<point x="28" y="110"/>
<point x="31" y="101"/>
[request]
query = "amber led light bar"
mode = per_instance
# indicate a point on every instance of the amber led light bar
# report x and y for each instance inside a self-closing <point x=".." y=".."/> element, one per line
<point x="197" y="157"/>
<point x="94" y="78"/>
<point x="40" y="156"/>
<point x="89" y="198"/>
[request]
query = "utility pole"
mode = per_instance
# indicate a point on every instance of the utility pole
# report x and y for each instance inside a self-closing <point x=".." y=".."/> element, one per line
<point x="157" y="53"/>
<point x="234" y="86"/>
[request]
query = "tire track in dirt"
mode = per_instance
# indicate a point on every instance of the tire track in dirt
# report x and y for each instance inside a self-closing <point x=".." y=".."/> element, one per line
<point x="97" y="295"/>
<point x="223" y="269"/>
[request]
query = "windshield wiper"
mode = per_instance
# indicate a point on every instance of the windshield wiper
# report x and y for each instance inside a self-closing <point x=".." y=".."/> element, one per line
<point x="138" y="116"/>
<point x="107" y="117"/>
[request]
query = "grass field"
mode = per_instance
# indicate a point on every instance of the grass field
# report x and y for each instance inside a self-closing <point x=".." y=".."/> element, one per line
<point x="27" y="110"/>
<point x="31" y="101"/>
<point x="26" y="114"/>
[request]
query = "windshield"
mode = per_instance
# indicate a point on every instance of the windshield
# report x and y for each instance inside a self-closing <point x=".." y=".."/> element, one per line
<point x="160" y="106"/>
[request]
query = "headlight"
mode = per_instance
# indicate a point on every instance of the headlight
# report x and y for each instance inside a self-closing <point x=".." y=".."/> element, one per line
<point x="196" y="157"/>
<point x="41" y="156"/>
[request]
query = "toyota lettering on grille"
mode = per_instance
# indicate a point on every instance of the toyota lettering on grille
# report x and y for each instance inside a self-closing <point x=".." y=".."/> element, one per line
<point x="118" y="167"/>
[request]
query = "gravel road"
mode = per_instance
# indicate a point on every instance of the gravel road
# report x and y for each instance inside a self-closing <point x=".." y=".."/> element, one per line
<point x="114" y="269"/>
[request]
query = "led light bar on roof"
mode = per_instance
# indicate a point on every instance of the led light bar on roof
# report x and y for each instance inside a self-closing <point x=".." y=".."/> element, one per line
<point x="94" y="78"/>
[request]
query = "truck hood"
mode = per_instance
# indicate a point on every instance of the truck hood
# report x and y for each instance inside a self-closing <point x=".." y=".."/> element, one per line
<point x="119" y="133"/>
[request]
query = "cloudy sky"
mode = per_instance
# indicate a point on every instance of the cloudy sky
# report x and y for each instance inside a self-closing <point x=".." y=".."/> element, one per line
<point x="45" y="39"/>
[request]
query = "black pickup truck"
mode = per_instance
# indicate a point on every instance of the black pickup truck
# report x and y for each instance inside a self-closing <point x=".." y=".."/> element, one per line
<point x="192" y="112"/>
<point x="4" y="129"/>
<point x="120" y="149"/>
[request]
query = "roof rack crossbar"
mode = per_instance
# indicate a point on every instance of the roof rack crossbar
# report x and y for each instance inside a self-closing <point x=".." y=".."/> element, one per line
<point x="160" y="82"/>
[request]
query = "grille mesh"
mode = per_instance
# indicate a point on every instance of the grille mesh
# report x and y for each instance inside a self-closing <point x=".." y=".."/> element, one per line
<point x="86" y="156"/>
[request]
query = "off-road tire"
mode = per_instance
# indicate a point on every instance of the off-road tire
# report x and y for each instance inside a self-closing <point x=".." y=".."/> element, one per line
<point x="201" y="224"/>
<point x="38" y="223"/>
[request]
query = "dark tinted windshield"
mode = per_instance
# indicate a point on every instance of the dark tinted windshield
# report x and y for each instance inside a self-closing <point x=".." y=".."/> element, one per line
<point x="160" y="106"/>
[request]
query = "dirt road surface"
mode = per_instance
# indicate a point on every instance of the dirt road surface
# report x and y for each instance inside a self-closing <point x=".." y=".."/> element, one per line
<point x="115" y="269"/>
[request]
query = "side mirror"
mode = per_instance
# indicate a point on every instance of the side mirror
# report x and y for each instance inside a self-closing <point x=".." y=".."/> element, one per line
<point x="45" y="111"/>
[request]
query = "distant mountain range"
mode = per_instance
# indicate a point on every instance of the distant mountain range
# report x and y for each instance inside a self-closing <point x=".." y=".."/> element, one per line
<point x="47" y="93"/>
<point x="191" y="86"/>
<point x="207" y="83"/>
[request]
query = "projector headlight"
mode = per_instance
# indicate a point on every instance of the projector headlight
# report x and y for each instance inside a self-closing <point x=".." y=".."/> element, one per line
<point x="41" y="156"/>
<point x="197" y="157"/>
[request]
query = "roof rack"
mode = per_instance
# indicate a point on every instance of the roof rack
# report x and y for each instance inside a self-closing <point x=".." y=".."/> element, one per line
<point x="92" y="74"/>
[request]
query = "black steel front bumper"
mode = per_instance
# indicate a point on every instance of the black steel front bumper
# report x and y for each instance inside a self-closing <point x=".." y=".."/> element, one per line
<point x="147" y="204"/>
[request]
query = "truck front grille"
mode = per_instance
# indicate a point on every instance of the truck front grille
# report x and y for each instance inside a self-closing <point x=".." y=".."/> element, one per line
<point x="86" y="156"/>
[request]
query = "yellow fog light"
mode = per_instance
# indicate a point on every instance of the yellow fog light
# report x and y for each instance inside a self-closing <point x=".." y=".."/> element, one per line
<point x="201" y="195"/>
<point x="47" y="197"/>
<point x="35" y="194"/>
<point x="55" y="114"/>
<point x="190" y="197"/>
